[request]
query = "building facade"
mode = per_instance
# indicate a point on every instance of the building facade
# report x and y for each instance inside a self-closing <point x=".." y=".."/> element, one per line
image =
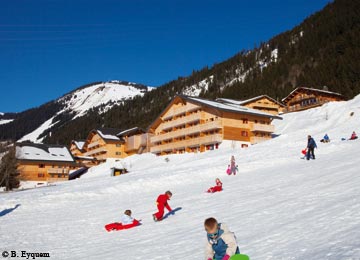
<point x="136" y="141"/>
<point x="40" y="162"/>
<point x="102" y="144"/>
<point x="304" y="98"/>
<point x="110" y="143"/>
<point x="263" y="103"/>
<point x="191" y="124"/>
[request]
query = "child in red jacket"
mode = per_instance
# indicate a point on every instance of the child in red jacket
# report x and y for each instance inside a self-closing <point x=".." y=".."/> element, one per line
<point x="161" y="204"/>
<point x="216" y="188"/>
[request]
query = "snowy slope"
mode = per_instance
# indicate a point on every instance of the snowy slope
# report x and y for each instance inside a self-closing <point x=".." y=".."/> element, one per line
<point x="279" y="206"/>
<point x="107" y="93"/>
<point x="5" y="121"/>
<point x="102" y="95"/>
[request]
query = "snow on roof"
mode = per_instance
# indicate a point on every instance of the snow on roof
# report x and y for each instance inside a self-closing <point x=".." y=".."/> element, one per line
<point x="243" y="102"/>
<point x="42" y="152"/>
<point x="312" y="89"/>
<point x="130" y="131"/>
<point x="231" y="107"/>
<point x="79" y="144"/>
<point x="108" y="133"/>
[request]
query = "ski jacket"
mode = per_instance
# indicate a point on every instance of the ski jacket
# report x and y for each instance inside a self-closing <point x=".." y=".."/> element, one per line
<point x="125" y="219"/>
<point x="311" y="143"/>
<point x="224" y="244"/>
<point x="162" y="201"/>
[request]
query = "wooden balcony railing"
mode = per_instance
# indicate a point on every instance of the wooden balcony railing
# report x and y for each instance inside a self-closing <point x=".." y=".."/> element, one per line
<point x="96" y="151"/>
<point x="217" y="124"/>
<point x="181" y="121"/>
<point x="204" y="140"/>
<point x="256" y="139"/>
<point x="180" y="110"/>
<point x="93" y="144"/>
<point x="263" y="128"/>
<point x="57" y="171"/>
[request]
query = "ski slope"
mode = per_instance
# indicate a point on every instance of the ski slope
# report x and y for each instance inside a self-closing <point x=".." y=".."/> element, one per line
<point x="279" y="206"/>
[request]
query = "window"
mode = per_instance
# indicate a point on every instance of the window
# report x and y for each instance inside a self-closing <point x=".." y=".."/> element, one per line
<point x="245" y="121"/>
<point x="244" y="133"/>
<point x="41" y="165"/>
<point x="118" y="145"/>
<point x="244" y="146"/>
<point x="118" y="153"/>
<point x="41" y="175"/>
<point x="59" y="175"/>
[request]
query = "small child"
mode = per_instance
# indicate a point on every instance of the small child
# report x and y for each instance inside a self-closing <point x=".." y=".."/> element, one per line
<point x="126" y="218"/>
<point x="216" y="188"/>
<point x="126" y="222"/>
<point x="221" y="243"/>
<point x="162" y="203"/>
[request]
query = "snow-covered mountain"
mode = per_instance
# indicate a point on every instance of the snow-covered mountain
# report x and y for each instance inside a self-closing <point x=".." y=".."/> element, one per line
<point x="278" y="205"/>
<point x="100" y="96"/>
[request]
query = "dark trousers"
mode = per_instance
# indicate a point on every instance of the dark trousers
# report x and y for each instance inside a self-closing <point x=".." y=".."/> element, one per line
<point x="310" y="153"/>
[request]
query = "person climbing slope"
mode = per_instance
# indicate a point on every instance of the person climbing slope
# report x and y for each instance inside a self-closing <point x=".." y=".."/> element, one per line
<point x="311" y="145"/>
<point x="161" y="205"/>
<point x="233" y="165"/>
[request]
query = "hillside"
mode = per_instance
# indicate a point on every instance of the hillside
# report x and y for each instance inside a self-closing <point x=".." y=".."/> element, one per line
<point x="36" y="124"/>
<point x="279" y="206"/>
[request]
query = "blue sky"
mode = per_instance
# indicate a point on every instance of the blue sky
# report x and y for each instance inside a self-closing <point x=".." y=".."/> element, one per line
<point x="50" y="47"/>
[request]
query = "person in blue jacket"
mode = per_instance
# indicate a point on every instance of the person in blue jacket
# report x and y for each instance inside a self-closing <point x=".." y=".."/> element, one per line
<point x="326" y="139"/>
<point x="311" y="145"/>
<point x="221" y="243"/>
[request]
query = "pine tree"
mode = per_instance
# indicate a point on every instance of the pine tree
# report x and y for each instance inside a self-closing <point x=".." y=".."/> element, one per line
<point x="8" y="171"/>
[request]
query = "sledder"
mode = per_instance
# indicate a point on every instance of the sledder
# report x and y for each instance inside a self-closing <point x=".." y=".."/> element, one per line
<point x="217" y="187"/>
<point x="126" y="222"/>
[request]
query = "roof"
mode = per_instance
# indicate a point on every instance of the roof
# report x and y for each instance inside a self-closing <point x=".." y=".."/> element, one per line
<point x="314" y="90"/>
<point x="108" y="133"/>
<point x="230" y="107"/>
<point x="43" y="152"/>
<point x="78" y="144"/>
<point x="219" y="106"/>
<point x="131" y="131"/>
<point x="246" y="101"/>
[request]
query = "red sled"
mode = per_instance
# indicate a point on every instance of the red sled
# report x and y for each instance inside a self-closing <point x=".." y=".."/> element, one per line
<point x="118" y="226"/>
<point x="304" y="152"/>
<point x="214" y="189"/>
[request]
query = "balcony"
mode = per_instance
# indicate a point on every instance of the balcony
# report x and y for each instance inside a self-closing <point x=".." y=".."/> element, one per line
<point x="96" y="151"/>
<point x="180" y="110"/>
<point x="57" y="171"/>
<point x="263" y="128"/>
<point x="204" y="140"/>
<point x="217" y="124"/>
<point x="135" y="142"/>
<point x="181" y="121"/>
<point x="255" y="139"/>
<point x="93" y="144"/>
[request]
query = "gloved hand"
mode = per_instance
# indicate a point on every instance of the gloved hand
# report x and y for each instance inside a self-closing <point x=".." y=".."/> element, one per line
<point x="226" y="257"/>
<point x="171" y="212"/>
